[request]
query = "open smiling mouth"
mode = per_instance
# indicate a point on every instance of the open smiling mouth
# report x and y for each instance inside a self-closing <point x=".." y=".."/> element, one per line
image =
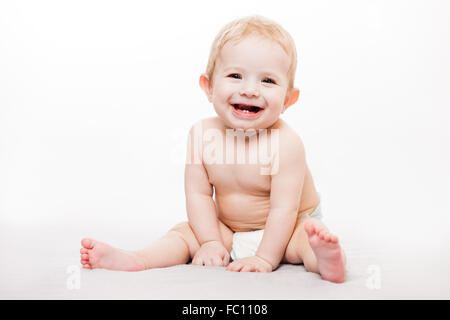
<point x="245" y="108"/>
<point x="246" y="111"/>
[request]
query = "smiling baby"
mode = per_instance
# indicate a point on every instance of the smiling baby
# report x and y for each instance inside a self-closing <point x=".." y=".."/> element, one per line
<point x="250" y="198"/>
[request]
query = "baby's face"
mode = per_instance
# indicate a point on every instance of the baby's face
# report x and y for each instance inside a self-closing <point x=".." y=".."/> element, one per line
<point x="250" y="83"/>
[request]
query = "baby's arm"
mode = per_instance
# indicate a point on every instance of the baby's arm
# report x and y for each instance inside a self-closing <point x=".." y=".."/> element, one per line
<point x="285" y="194"/>
<point x="201" y="212"/>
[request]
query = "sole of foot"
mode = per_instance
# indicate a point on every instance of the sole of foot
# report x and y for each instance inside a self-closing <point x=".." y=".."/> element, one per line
<point x="329" y="254"/>
<point x="95" y="254"/>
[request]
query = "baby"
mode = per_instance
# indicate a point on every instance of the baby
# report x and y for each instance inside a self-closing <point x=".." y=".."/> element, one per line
<point x="246" y="210"/>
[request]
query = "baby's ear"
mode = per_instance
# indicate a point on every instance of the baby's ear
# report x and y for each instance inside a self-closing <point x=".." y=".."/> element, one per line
<point x="291" y="98"/>
<point x="205" y="85"/>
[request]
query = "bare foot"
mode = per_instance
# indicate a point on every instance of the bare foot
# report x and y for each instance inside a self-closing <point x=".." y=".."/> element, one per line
<point x="96" y="254"/>
<point x="329" y="254"/>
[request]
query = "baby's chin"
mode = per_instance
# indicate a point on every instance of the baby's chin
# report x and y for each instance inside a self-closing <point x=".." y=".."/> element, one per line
<point x="244" y="125"/>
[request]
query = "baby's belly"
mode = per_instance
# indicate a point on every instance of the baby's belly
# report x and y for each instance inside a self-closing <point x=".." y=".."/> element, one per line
<point x="243" y="212"/>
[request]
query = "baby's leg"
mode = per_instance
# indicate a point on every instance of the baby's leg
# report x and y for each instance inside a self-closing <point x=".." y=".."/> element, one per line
<point x="176" y="247"/>
<point x="319" y="250"/>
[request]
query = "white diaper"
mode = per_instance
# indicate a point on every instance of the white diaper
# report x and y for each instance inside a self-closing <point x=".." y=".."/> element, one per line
<point x="245" y="244"/>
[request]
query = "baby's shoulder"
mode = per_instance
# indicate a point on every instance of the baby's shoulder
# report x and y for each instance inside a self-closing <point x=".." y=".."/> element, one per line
<point x="288" y="136"/>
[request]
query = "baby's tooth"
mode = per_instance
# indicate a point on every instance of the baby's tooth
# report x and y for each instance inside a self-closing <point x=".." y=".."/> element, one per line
<point x="246" y="111"/>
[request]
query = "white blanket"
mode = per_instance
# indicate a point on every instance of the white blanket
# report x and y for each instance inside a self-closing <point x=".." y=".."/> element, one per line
<point x="42" y="262"/>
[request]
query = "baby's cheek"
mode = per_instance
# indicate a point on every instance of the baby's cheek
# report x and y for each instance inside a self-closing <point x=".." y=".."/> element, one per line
<point x="277" y="102"/>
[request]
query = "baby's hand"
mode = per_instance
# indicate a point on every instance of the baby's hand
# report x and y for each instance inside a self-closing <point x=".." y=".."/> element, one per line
<point x="250" y="264"/>
<point x="211" y="253"/>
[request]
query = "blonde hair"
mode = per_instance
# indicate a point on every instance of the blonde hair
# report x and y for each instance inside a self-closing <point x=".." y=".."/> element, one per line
<point x="240" y="28"/>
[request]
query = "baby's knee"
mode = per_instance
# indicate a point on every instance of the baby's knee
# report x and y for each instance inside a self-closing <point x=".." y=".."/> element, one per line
<point x="310" y="262"/>
<point x="184" y="231"/>
<point x="181" y="227"/>
<point x="298" y="244"/>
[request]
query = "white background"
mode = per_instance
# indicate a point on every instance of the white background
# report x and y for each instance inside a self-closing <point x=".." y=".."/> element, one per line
<point x="96" y="98"/>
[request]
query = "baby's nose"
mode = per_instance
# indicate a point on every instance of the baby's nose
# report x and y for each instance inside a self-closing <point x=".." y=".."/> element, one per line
<point x="249" y="91"/>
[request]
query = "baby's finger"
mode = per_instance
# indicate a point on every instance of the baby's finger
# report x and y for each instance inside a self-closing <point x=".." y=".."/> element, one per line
<point x="230" y="267"/>
<point x="225" y="260"/>
<point x="217" y="261"/>
<point x="197" y="261"/>
<point x="209" y="262"/>
<point x="234" y="266"/>
<point x="262" y="269"/>
<point x="247" y="268"/>
<point x="239" y="267"/>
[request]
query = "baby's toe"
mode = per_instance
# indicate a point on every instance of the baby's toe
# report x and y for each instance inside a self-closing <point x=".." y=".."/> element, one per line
<point x="84" y="250"/>
<point x="309" y="228"/>
<point x="87" y="243"/>
<point x="322" y="234"/>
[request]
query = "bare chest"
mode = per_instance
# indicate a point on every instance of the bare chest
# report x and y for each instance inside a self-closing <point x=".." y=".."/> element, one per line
<point x="238" y="178"/>
<point x="240" y="166"/>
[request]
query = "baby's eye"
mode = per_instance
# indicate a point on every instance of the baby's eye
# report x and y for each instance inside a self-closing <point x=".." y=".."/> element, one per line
<point x="235" y="76"/>
<point x="268" y="80"/>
